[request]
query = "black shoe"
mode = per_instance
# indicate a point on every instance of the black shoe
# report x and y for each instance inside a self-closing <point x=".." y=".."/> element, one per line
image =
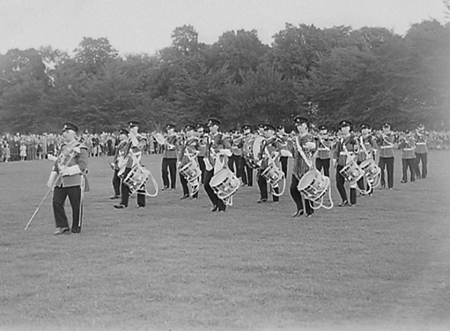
<point x="309" y="215"/>
<point x="262" y="200"/>
<point x="221" y="210"/>
<point x="115" y="197"/>
<point x="165" y="188"/>
<point x="120" y="206"/>
<point x="215" y="208"/>
<point x="194" y="197"/>
<point x="403" y="181"/>
<point x="78" y="230"/>
<point x="343" y="204"/>
<point x="184" y="197"/>
<point x="298" y="213"/>
<point x="62" y="231"/>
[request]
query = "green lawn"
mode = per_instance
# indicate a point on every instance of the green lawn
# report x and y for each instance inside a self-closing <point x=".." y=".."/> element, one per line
<point x="384" y="264"/>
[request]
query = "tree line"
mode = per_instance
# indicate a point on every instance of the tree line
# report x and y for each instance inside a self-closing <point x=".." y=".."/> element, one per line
<point x="369" y="74"/>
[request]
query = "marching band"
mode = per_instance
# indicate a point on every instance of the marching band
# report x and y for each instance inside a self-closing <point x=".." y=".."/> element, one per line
<point x="224" y="162"/>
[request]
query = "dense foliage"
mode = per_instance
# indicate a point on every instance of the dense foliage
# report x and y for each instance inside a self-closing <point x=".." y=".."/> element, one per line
<point x="370" y="74"/>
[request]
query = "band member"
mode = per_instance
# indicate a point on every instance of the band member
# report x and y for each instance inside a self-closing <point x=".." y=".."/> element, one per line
<point x="344" y="153"/>
<point x="281" y="133"/>
<point x="68" y="177"/>
<point x="324" y="143"/>
<point x="368" y="148"/>
<point x="133" y="155"/>
<point x="246" y="170"/>
<point x="406" y="144"/>
<point x="385" y="141"/>
<point x="421" y="151"/>
<point x="302" y="151"/>
<point x="202" y="139"/>
<point x="188" y="153"/>
<point x="236" y="153"/>
<point x="215" y="158"/>
<point x="270" y="152"/>
<point x="169" y="161"/>
<point x="260" y="130"/>
<point x="118" y="161"/>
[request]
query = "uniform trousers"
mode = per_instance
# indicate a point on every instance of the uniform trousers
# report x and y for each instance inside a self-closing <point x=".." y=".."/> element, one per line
<point x="116" y="183"/>
<point x="340" y="185"/>
<point x="201" y="164"/>
<point x="421" y="157"/>
<point x="185" y="186"/>
<point x="262" y="183"/>
<point x="59" y="197"/>
<point x="411" y="164"/>
<point x="297" y="197"/>
<point x="246" y="172"/>
<point x="323" y="164"/>
<point x="233" y="165"/>
<point x="126" y="192"/>
<point x="284" y="165"/>
<point x="388" y="163"/>
<point x="169" y="166"/>
<point x="211" y="194"/>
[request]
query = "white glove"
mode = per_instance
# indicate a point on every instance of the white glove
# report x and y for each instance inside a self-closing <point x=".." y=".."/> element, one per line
<point x="334" y="163"/>
<point x="51" y="179"/>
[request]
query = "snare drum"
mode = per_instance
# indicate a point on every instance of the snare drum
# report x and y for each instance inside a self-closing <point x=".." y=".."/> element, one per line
<point x="370" y="168"/>
<point x="273" y="174"/>
<point x="191" y="171"/>
<point x="313" y="185"/>
<point x="352" y="172"/>
<point x="224" y="183"/>
<point x="136" y="178"/>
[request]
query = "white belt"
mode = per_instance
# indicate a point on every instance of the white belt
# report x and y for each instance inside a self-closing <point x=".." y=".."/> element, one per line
<point x="408" y="149"/>
<point x="384" y="147"/>
<point x="323" y="149"/>
<point x="421" y="143"/>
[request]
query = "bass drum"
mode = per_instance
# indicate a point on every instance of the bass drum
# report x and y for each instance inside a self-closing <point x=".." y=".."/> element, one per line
<point x="159" y="138"/>
<point x="252" y="148"/>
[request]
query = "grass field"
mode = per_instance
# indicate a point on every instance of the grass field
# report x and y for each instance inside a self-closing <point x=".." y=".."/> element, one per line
<point x="384" y="264"/>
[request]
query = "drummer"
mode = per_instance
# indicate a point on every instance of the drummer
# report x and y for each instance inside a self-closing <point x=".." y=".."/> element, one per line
<point x="344" y="153"/>
<point x="270" y="152"/>
<point x="215" y="160"/>
<point x="368" y="148"/>
<point x="246" y="169"/>
<point x="188" y="153"/>
<point x="303" y="149"/>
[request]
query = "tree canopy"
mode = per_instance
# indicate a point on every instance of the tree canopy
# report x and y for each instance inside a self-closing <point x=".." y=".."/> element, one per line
<point x="370" y="74"/>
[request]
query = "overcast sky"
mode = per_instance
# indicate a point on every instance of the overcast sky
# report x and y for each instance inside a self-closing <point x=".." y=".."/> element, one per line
<point x="145" y="26"/>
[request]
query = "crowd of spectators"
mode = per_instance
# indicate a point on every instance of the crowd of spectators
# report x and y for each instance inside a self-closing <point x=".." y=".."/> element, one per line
<point x="20" y="147"/>
<point x="38" y="146"/>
